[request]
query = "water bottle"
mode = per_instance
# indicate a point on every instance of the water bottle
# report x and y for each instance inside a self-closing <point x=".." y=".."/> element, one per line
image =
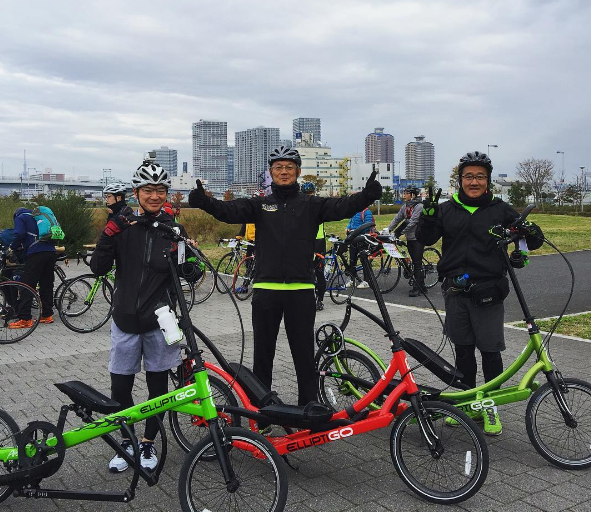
<point x="461" y="281"/>
<point x="168" y="324"/>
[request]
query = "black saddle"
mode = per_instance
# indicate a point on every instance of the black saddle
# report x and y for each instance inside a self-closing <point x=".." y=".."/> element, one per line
<point x="88" y="397"/>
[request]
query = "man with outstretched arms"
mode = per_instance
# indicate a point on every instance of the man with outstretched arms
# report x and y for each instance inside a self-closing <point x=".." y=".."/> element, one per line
<point x="287" y="223"/>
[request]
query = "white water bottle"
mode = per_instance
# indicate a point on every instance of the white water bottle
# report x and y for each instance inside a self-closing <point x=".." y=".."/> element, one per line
<point x="168" y="323"/>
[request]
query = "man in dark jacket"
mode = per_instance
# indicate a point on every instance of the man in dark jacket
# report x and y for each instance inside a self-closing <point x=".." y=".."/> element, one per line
<point x="469" y="249"/>
<point x="287" y="223"/>
<point x="40" y="257"/>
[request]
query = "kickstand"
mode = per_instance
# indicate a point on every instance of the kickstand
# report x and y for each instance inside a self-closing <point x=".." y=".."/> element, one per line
<point x="295" y="468"/>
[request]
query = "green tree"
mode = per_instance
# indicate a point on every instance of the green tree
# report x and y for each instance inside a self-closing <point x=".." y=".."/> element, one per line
<point x="431" y="182"/>
<point x="387" y="195"/>
<point x="537" y="173"/>
<point x="454" y="179"/>
<point x="518" y="193"/>
<point x="319" y="182"/>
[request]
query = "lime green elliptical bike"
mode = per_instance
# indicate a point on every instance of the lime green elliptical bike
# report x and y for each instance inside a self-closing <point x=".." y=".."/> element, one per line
<point x="558" y="413"/>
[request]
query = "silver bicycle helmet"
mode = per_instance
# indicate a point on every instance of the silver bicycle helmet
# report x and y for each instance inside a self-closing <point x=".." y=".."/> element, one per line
<point x="285" y="153"/>
<point x="115" y="188"/>
<point x="150" y="173"/>
<point x="308" y="187"/>
<point x="475" y="158"/>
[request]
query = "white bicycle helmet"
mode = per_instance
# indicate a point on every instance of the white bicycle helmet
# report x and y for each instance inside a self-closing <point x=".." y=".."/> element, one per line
<point x="150" y="173"/>
<point x="115" y="188"/>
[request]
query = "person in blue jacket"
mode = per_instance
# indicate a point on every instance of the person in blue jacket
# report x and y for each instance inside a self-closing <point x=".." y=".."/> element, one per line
<point x="354" y="222"/>
<point x="40" y="257"/>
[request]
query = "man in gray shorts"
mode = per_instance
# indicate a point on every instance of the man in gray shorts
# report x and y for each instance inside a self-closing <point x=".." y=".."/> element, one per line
<point x="142" y="284"/>
<point x="473" y="270"/>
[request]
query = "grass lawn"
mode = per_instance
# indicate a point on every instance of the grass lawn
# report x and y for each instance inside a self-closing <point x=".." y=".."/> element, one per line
<point x="574" y="325"/>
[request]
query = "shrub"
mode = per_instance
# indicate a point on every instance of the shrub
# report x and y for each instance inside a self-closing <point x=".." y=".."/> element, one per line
<point x="8" y="205"/>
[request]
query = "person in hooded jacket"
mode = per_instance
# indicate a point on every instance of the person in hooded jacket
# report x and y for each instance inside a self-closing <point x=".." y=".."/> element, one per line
<point x="40" y="258"/>
<point x="473" y="271"/>
<point x="287" y="224"/>
<point x="405" y="223"/>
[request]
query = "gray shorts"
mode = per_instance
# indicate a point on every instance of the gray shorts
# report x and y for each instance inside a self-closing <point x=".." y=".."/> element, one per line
<point x="127" y="350"/>
<point x="466" y="324"/>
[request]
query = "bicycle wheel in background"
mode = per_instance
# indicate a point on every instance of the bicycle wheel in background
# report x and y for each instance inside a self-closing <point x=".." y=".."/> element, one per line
<point x="188" y="292"/>
<point x="11" y="294"/>
<point x="389" y="275"/>
<point x="60" y="277"/>
<point x="458" y="467"/>
<point x="86" y="303"/>
<point x="225" y="272"/>
<point x="431" y="257"/>
<point x="8" y="437"/>
<point x="341" y="287"/>
<point x="205" y="286"/>
<point x="566" y="446"/>
<point x="242" y="281"/>
<point x="259" y="470"/>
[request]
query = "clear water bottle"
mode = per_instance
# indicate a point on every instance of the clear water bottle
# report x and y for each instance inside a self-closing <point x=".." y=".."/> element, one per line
<point x="168" y="323"/>
<point x="462" y="280"/>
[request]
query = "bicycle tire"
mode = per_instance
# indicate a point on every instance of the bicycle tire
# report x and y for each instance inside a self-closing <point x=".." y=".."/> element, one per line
<point x="205" y="285"/>
<point x="431" y="257"/>
<point x="8" y="437"/>
<point x="11" y="295"/>
<point x="542" y="406"/>
<point x="188" y="292"/>
<point x="389" y="275"/>
<point x="80" y="315"/>
<point x="243" y="278"/>
<point x="341" y="287"/>
<point x="189" y="430"/>
<point x="337" y="393"/>
<point x="414" y="462"/>
<point x="225" y="272"/>
<point x="202" y="485"/>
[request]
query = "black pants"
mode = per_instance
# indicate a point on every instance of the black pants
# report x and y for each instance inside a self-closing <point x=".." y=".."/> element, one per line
<point x="492" y="364"/>
<point x="298" y="310"/>
<point x="320" y="278"/>
<point x="415" y="249"/>
<point x="38" y="270"/>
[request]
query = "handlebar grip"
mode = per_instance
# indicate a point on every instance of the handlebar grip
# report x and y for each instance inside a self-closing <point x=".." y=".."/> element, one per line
<point x="523" y="215"/>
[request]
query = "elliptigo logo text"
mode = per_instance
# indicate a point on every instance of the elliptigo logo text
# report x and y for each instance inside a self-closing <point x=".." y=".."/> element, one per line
<point x="333" y="435"/>
<point x="176" y="398"/>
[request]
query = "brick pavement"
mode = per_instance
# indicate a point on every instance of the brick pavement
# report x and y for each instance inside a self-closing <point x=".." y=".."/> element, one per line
<point x="352" y="475"/>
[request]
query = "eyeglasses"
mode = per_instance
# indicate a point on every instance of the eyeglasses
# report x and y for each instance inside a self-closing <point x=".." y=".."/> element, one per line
<point x="151" y="191"/>
<point x="479" y="177"/>
<point x="281" y="167"/>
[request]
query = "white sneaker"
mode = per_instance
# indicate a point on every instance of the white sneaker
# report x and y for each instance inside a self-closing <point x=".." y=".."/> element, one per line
<point x="362" y="284"/>
<point x="348" y="283"/>
<point x="148" y="459"/>
<point x="118" y="464"/>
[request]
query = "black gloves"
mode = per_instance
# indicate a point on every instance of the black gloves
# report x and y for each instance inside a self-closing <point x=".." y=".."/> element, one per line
<point x="431" y="204"/>
<point x="119" y="222"/>
<point x="197" y="197"/>
<point x="373" y="188"/>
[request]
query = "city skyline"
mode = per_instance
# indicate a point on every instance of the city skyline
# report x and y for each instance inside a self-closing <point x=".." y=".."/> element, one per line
<point x="81" y="91"/>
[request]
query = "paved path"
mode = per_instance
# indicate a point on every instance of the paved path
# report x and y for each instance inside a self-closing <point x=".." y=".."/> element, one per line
<point x="352" y="475"/>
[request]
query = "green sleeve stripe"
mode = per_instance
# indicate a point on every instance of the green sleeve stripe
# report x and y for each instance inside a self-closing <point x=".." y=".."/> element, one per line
<point x="284" y="286"/>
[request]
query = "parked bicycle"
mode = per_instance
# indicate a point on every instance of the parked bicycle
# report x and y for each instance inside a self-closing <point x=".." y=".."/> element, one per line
<point x="556" y="416"/>
<point x="243" y="278"/>
<point x="228" y="263"/>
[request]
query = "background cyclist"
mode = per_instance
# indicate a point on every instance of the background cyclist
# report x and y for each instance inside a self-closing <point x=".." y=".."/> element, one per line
<point x="474" y="312"/>
<point x="357" y="220"/>
<point x="287" y="224"/>
<point x="142" y="283"/>
<point x="115" y="198"/>
<point x="405" y="223"/>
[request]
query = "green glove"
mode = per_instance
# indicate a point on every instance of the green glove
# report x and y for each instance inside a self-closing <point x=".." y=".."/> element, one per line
<point x="431" y="204"/>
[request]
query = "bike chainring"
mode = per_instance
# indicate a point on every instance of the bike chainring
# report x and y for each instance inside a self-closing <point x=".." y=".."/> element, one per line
<point x="330" y="339"/>
<point x="41" y="452"/>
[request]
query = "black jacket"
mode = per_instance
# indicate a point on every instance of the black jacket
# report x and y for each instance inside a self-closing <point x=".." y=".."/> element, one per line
<point x="286" y="228"/>
<point x="142" y="276"/>
<point x="467" y="245"/>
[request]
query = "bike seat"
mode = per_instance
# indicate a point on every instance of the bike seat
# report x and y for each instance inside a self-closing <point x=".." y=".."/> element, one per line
<point x="299" y="416"/>
<point x="86" y="396"/>
<point x="447" y="372"/>
<point x="258" y="393"/>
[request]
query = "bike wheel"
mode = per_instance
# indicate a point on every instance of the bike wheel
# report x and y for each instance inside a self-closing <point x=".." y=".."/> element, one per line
<point x="8" y="431"/>
<point x="341" y="287"/>
<point x="565" y="446"/>
<point x="225" y="272"/>
<point x="12" y="293"/>
<point x="86" y="304"/>
<point x="188" y="293"/>
<point x="189" y="430"/>
<point x="206" y="284"/>
<point x="337" y="393"/>
<point x="259" y="469"/>
<point x="242" y="281"/>
<point x="61" y="276"/>
<point x="459" y="468"/>
<point x="389" y="275"/>
<point x="431" y="257"/>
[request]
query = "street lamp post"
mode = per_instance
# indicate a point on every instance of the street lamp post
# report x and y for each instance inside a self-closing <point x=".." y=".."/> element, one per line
<point x="490" y="146"/>
<point x="583" y="185"/>
<point x="106" y="176"/>
<point x="562" y="153"/>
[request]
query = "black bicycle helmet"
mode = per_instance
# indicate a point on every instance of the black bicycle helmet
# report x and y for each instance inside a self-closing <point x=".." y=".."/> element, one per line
<point x="412" y="191"/>
<point x="285" y="153"/>
<point x="475" y="158"/>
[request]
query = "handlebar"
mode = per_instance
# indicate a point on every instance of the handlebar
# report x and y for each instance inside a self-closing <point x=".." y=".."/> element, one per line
<point x="510" y="234"/>
<point x="523" y="215"/>
<point x="358" y="231"/>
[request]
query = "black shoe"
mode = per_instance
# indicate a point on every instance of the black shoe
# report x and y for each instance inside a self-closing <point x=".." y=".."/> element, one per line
<point x="319" y="305"/>
<point x="415" y="292"/>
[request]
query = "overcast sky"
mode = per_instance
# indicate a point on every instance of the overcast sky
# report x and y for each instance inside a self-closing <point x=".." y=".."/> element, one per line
<point x="92" y="85"/>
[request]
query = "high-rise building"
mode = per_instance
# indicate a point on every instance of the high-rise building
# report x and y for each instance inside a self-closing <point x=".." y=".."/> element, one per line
<point x="251" y="151"/>
<point x="379" y="147"/>
<point x="185" y="168"/>
<point x="210" y="154"/>
<point x="307" y="125"/>
<point x="288" y="143"/>
<point x="420" y="159"/>
<point x="230" y="165"/>
<point x="167" y="159"/>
